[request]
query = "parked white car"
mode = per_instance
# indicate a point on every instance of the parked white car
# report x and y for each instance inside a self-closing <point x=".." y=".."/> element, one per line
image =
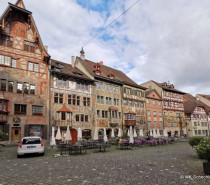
<point x="28" y="145"/>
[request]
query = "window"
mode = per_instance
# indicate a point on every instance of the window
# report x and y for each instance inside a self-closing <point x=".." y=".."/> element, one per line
<point x="161" y="123"/>
<point x="86" y="87"/>
<point x="98" y="113"/>
<point x="155" y="123"/>
<point x="82" y="117"/>
<point x="106" y="114"/>
<point x="32" y="89"/>
<point x="77" y="117"/>
<point x="115" y="89"/>
<point x="149" y="123"/>
<point x="86" y="118"/>
<point x="26" y="88"/>
<point x="136" y="104"/>
<point x="148" y="113"/>
<point x="82" y="86"/>
<point x="99" y="85"/>
<point x="78" y="100"/>
<point x="3" y="84"/>
<point x="103" y="113"/>
<point x="78" y="85"/>
<point x="59" y="82"/>
<point x="119" y="115"/>
<point x="98" y="99"/>
<point x="116" y="101"/>
<point x="14" y="63"/>
<point x="174" y="124"/>
<point x="153" y="102"/>
<point x="102" y="100"/>
<point x="4" y="60"/>
<point x="74" y="99"/>
<point x="63" y="116"/>
<point x="195" y="124"/>
<point x="168" y="124"/>
<point x="20" y="109"/>
<point x="160" y="114"/>
<point x="159" y="103"/>
<point x="141" y="105"/>
<point x="171" y="113"/>
<point x="6" y="41"/>
<point x="147" y="101"/>
<point x="10" y="86"/>
<point x="58" y="98"/>
<point x="18" y="28"/>
<point x="154" y="113"/>
<point x="69" y="99"/>
<point x="130" y="102"/>
<point x="32" y="47"/>
<point x="37" y="110"/>
<point x="110" y="101"/>
<point x="125" y="102"/>
<point x="199" y="132"/>
<point x="86" y="101"/>
<point x="19" y="87"/>
<point x="33" y="66"/>
<point x="26" y="46"/>
<point x="196" y="132"/>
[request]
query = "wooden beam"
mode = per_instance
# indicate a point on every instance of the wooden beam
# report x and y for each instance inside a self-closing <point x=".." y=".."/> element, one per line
<point x="2" y="25"/>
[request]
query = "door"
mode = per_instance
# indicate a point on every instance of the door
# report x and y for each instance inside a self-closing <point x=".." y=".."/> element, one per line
<point x="73" y="135"/>
<point x="16" y="134"/>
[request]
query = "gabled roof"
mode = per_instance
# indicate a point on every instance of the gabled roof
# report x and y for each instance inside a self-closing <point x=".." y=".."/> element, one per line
<point x="120" y="77"/>
<point x="205" y="96"/>
<point x="63" y="109"/>
<point x="148" y="92"/>
<point x="67" y="70"/>
<point x="20" y="7"/>
<point x="192" y="103"/>
<point x="168" y="87"/>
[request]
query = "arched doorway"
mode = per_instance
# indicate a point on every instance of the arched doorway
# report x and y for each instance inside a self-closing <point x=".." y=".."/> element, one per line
<point x="169" y="134"/>
<point x="109" y="133"/>
<point x="73" y="135"/>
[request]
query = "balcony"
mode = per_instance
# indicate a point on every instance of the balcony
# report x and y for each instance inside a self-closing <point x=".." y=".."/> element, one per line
<point x="130" y="122"/>
<point x="60" y="123"/>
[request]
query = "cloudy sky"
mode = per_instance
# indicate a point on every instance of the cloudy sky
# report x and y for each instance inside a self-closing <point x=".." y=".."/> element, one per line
<point x="161" y="40"/>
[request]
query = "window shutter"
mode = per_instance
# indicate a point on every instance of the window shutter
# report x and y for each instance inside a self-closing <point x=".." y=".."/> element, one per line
<point x="6" y="137"/>
<point x="45" y="132"/>
<point x="124" y="89"/>
<point x="142" y="94"/>
<point x="26" y="130"/>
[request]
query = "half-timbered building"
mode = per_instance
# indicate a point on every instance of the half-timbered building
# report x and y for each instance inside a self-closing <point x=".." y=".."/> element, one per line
<point x="196" y="114"/>
<point x="24" y="80"/>
<point x="173" y="107"/>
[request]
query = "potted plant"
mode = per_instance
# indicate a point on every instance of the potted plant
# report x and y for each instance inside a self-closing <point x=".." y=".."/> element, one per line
<point x="203" y="151"/>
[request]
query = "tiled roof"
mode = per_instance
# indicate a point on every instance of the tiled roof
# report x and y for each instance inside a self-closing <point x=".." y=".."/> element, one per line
<point x="67" y="69"/>
<point x="192" y="103"/>
<point x="205" y="96"/>
<point x="63" y="109"/>
<point x="106" y="71"/>
<point x="167" y="87"/>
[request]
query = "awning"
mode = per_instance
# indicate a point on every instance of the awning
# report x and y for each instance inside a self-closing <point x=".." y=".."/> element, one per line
<point x="64" y="109"/>
<point x="113" y="108"/>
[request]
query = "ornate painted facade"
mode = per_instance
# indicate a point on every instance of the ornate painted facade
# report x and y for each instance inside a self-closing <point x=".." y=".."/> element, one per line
<point x="24" y="82"/>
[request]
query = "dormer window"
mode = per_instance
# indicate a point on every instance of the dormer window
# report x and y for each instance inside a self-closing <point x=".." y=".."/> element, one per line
<point x="111" y="76"/>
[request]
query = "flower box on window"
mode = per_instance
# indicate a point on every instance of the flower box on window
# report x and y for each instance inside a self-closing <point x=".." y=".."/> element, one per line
<point x="3" y="89"/>
<point x="38" y="113"/>
<point x="19" y="91"/>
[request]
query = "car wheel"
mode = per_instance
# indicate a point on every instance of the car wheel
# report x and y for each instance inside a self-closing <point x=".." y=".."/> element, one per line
<point x="19" y="156"/>
<point x="42" y="154"/>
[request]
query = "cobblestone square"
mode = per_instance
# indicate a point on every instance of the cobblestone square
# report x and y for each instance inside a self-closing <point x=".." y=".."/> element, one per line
<point x="169" y="164"/>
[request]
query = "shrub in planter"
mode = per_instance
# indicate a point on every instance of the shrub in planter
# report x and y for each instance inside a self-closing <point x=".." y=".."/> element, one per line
<point x="194" y="141"/>
<point x="203" y="148"/>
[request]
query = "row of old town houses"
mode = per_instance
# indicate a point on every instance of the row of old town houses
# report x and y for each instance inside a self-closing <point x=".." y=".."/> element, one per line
<point x="38" y="93"/>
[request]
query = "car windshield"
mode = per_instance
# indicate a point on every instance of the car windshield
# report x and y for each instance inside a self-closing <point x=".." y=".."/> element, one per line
<point x="31" y="141"/>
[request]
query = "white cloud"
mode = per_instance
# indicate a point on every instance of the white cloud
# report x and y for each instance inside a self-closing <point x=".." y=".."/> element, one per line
<point x="162" y="40"/>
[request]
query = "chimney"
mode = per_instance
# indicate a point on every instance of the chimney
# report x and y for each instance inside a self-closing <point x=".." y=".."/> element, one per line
<point x="82" y="54"/>
<point x="73" y="61"/>
<point x="101" y="63"/>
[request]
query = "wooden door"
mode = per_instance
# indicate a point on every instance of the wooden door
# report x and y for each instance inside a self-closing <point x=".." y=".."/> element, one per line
<point x="16" y="134"/>
<point x="73" y="135"/>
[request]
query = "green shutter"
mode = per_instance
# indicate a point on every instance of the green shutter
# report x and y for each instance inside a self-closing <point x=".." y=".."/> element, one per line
<point x="142" y="94"/>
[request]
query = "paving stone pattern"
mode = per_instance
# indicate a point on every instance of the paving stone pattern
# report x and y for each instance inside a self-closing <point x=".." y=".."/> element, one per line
<point x="150" y="165"/>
